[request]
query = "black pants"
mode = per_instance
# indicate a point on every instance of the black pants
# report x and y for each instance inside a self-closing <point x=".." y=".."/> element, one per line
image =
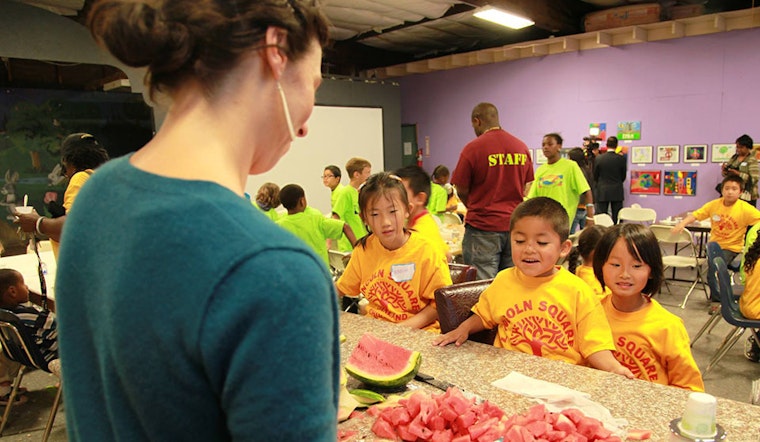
<point x="614" y="206"/>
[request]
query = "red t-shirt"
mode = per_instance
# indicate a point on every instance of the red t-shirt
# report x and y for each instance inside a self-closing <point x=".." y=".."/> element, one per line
<point x="495" y="166"/>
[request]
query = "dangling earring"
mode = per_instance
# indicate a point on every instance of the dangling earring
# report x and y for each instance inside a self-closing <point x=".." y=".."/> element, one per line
<point x="286" y="110"/>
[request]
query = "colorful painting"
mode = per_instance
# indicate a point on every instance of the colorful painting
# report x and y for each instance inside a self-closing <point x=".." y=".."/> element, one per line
<point x="598" y="130"/>
<point x="646" y="182"/>
<point x="641" y="154"/>
<point x="695" y="153"/>
<point x="721" y="153"/>
<point x="629" y="130"/>
<point x="680" y="182"/>
<point x="668" y="154"/>
<point x="540" y="158"/>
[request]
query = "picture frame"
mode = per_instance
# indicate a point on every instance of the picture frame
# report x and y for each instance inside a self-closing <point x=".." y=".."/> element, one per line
<point x="695" y="153"/>
<point x="668" y="153"/>
<point x="641" y="154"/>
<point x="721" y="153"/>
<point x="539" y="157"/>
<point x="679" y="183"/>
<point x="646" y="182"/>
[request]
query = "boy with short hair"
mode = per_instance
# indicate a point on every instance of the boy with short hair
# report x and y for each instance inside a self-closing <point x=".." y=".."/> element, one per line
<point x="309" y="224"/>
<point x="417" y="186"/>
<point x="331" y="179"/>
<point x="346" y="203"/>
<point x="729" y="218"/>
<point x="539" y="307"/>
<point x="13" y="294"/>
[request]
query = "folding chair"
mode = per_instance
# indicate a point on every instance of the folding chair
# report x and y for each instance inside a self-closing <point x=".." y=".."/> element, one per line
<point x="19" y="345"/>
<point x="454" y="303"/>
<point x="338" y="262"/>
<point x="450" y="218"/>
<point x="603" y="219"/>
<point x="671" y="244"/>
<point x="713" y="251"/>
<point x="729" y="309"/>
<point x="637" y="215"/>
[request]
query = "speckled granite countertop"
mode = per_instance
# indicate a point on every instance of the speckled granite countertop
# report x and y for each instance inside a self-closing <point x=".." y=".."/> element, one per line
<point x="474" y="366"/>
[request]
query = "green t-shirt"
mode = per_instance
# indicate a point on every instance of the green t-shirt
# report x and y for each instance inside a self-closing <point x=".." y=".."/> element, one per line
<point x="438" y="199"/>
<point x="346" y="206"/>
<point x="563" y="182"/>
<point x="314" y="229"/>
<point x="272" y="214"/>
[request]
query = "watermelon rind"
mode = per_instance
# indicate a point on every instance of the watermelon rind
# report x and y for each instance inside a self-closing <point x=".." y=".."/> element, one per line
<point x="366" y="397"/>
<point x="398" y="378"/>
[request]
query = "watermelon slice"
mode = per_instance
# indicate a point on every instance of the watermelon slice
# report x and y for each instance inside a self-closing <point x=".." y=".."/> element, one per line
<point x="382" y="364"/>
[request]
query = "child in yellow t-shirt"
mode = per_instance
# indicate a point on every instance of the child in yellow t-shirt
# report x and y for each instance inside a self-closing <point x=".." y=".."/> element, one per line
<point x="396" y="270"/>
<point x="587" y="241"/>
<point x="309" y="224"/>
<point x="650" y="341"/>
<point x="539" y="307"/>
<point x="417" y="186"/>
<point x="729" y="217"/>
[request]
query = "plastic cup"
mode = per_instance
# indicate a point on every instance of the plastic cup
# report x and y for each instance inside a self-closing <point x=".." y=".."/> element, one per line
<point x="698" y="419"/>
<point x="25" y="210"/>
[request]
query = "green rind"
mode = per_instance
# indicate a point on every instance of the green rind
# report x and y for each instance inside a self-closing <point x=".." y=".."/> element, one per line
<point x="366" y="397"/>
<point x="388" y="382"/>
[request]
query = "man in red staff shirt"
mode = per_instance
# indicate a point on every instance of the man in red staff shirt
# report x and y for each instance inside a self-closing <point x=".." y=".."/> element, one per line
<point x="491" y="178"/>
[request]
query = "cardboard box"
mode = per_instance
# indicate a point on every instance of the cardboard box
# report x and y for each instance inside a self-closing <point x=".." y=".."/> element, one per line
<point x="684" y="11"/>
<point x="623" y="16"/>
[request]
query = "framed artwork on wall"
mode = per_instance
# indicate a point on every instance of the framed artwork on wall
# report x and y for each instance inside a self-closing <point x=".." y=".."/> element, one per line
<point x="641" y="154"/>
<point x="721" y="153"/>
<point x="646" y="182"/>
<point x="695" y="153"/>
<point x="680" y="182"/>
<point x="540" y="158"/>
<point x="668" y="154"/>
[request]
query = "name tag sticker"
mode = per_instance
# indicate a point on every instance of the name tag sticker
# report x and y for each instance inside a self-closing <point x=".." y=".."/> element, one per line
<point x="716" y="218"/>
<point x="402" y="272"/>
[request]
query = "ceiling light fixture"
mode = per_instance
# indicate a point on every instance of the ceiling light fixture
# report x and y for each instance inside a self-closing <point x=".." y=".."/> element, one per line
<point x="503" y="18"/>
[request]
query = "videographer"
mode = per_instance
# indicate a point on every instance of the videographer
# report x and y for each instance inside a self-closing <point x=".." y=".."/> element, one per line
<point x="744" y="164"/>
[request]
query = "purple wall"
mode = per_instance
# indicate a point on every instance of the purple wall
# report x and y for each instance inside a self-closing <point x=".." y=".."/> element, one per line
<point x="696" y="90"/>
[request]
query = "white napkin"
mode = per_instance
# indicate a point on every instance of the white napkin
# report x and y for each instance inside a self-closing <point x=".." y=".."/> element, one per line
<point x="557" y="398"/>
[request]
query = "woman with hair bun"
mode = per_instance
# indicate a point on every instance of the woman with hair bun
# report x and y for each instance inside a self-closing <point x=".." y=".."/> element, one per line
<point x="180" y="318"/>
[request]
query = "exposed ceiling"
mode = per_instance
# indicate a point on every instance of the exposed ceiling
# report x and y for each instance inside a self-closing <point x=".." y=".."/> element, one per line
<point x="370" y="34"/>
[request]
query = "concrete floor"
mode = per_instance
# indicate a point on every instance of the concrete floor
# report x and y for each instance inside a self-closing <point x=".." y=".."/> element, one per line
<point x="731" y="378"/>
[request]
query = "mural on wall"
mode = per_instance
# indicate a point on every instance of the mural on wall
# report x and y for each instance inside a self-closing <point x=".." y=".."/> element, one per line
<point x="680" y="182"/>
<point x="33" y="122"/>
<point x="645" y="182"/>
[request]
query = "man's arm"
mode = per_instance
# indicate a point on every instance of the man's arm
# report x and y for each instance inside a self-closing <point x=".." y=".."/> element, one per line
<point x="463" y="191"/>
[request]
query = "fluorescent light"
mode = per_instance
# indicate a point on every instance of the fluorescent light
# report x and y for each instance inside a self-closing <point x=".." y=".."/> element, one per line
<point x="504" y="18"/>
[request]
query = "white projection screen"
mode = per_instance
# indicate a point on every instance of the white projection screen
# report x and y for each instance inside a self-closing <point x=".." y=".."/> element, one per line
<point x="335" y="135"/>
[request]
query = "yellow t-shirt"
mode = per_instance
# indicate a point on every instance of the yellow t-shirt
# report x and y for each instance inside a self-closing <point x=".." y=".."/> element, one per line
<point x="397" y="283"/>
<point x="586" y="273"/>
<point x="426" y="226"/>
<point x="729" y="224"/>
<point x="72" y="190"/>
<point x="556" y="316"/>
<point x="314" y="229"/>
<point x="654" y="345"/>
<point x="749" y="301"/>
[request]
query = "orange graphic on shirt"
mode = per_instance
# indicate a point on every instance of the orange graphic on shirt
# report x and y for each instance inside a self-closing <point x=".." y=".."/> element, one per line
<point x="547" y="327"/>
<point x="636" y="358"/>
<point x="390" y="300"/>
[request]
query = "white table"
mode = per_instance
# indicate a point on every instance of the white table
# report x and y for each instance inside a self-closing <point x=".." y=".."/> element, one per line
<point x="26" y="264"/>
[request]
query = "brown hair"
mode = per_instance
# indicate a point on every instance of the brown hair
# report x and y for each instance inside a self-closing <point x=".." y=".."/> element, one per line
<point x="203" y="39"/>
<point x="268" y="196"/>
<point x="356" y="164"/>
<point x="546" y="209"/>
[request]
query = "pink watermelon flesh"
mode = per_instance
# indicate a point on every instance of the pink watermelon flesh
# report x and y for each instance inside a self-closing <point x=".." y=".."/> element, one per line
<point x="381" y="363"/>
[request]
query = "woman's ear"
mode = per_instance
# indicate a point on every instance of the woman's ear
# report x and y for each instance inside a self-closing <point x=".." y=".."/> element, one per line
<point x="276" y="41"/>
